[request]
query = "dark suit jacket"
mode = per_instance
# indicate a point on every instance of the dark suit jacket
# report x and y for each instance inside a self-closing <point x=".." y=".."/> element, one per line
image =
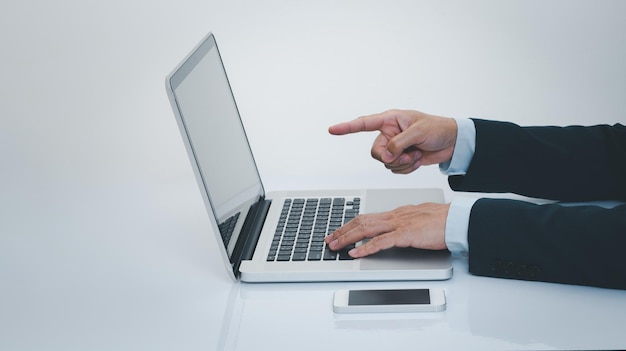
<point x="583" y="245"/>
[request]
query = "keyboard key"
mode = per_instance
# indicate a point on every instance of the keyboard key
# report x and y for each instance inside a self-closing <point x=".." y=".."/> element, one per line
<point x="343" y="253"/>
<point x="315" y="255"/>
<point x="299" y="256"/>
<point x="329" y="255"/>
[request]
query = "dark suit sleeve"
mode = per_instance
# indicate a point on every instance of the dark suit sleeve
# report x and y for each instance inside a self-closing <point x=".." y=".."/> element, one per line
<point x="515" y="239"/>
<point x="581" y="245"/>
<point x="559" y="163"/>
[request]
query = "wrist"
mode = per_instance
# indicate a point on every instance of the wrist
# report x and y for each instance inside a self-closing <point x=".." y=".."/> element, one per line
<point x="457" y="224"/>
<point x="463" y="149"/>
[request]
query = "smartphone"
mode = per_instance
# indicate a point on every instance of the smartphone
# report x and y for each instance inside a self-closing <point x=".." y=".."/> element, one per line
<point x="389" y="300"/>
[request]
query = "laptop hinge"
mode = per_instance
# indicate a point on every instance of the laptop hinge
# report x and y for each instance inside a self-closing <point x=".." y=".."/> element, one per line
<point x="252" y="226"/>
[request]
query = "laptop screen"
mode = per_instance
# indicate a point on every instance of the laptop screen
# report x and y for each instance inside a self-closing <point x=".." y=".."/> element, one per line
<point x="215" y="132"/>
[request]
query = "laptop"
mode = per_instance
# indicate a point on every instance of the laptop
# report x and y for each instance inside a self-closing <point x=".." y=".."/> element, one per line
<point x="277" y="236"/>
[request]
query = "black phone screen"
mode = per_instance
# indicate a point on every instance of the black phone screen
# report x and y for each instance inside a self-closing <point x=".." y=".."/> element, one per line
<point x="389" y="297"/>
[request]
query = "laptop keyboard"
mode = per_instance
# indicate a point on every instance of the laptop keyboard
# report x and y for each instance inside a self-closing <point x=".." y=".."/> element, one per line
<point x="303" y="225"/>
<point x="227" y="228"/>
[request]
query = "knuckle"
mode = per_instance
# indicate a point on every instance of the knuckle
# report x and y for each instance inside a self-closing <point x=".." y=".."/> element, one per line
<point x="360" y="220"/>
<point x="379" y="243"/>
<point x="393" y="111"/>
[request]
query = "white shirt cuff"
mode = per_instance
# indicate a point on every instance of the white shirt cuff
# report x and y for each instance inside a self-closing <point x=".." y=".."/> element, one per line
<point x="463" y="149"/>
<point x="457" y="225"/>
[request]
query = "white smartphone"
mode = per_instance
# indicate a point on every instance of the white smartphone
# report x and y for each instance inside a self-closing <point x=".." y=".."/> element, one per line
<point x="389" y="300"/>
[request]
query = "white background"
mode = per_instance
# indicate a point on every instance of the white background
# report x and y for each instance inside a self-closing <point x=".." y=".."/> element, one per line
<point x="103" y="235"/>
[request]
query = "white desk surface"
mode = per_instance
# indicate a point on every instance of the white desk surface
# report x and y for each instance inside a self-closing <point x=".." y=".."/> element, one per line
<point x="104" y="240"/>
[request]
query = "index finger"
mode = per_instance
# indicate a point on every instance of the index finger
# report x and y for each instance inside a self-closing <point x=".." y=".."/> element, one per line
<point x="362" y="124"/>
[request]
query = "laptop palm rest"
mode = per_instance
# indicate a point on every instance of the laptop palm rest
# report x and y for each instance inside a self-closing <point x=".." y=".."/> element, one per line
<point x="382" y="200"/>
<point x="406" y="258"/>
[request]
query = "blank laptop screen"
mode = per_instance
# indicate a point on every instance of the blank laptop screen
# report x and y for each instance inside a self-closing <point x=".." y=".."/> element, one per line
<point x="215" y="131"/>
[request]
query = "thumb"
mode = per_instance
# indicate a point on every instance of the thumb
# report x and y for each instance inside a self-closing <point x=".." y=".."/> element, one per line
<point x="381" y="151"/>
<point x="387" y="156"/>
<point x="398" y="145"/>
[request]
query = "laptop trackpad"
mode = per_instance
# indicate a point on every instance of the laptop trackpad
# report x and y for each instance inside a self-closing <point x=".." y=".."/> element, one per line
<point x="406" y="258"/>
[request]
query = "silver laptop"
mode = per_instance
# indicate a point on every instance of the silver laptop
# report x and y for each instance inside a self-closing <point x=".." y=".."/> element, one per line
<point x="278" y="236"/>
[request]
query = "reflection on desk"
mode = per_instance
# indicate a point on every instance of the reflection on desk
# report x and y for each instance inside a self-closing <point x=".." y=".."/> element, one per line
<point x="482" y="313"/>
